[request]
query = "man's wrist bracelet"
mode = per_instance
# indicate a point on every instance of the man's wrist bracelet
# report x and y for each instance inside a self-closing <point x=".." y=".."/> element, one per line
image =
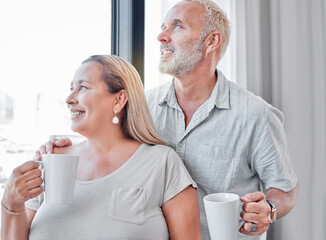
<point x="11" y="212"/>
<point x="273" y="212"/>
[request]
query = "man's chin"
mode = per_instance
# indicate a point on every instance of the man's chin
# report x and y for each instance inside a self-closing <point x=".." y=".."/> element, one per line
<point x="164" y="71"/>
<point x="165" y="68"/>
<point x="173" y="71"/>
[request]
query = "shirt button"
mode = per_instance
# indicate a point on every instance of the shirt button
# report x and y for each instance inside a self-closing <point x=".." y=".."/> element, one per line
<point x="180" y="145"/>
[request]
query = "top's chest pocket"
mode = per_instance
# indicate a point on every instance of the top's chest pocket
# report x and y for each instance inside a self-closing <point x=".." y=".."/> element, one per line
<point x="216" y="167"/>
<point x="128" y="205"/>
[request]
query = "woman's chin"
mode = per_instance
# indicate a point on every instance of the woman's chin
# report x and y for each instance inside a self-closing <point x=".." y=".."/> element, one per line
<point x="76" y="129"/>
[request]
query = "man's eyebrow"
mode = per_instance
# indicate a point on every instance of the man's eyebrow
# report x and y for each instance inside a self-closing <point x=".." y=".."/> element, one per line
<point x="176" y="20"/>
<point x="82" y="80"/>
<point x="162" y="25"/>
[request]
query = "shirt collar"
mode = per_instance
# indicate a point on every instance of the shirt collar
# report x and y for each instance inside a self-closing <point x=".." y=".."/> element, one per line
<point x="220" y="95"/>
<point x="221" y="92"/>
<point x="168" y="94"/>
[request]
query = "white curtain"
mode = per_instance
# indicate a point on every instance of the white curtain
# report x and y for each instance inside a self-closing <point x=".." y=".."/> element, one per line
<point x="285" y="62"/>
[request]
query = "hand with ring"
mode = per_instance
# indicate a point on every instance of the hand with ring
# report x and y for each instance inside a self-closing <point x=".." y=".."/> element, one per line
<point x="255" y="213"/>
<point x="253" y="227"/>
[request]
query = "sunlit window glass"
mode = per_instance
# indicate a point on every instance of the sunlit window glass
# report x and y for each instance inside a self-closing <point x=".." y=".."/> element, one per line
<point x="42" y="43"/>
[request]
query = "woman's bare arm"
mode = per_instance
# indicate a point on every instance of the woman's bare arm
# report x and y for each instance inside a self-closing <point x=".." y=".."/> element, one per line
<point x="182" y="215"/>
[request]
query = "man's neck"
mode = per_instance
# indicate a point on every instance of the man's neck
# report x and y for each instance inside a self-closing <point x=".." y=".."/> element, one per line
<point x="193" y="89"/>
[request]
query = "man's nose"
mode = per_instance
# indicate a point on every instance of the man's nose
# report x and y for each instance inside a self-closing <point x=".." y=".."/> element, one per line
<point x="164" y="37"/>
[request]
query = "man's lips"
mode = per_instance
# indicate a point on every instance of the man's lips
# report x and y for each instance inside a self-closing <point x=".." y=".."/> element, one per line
<point x="165" y="51"/>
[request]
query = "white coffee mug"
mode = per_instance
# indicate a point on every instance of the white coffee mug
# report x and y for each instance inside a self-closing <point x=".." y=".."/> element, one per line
<point x="59" y="178"/>
<point x="223" y="215"/>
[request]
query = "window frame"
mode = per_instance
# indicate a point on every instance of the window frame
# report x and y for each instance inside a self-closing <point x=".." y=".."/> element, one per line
<point x="128" y="32"/>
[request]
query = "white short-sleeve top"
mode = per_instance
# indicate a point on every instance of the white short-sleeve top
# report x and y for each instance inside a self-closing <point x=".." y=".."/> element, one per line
<point x="125" y="204"/>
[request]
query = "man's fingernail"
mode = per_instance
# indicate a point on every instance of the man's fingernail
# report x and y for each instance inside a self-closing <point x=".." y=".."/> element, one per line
<point x="248" y="228"/>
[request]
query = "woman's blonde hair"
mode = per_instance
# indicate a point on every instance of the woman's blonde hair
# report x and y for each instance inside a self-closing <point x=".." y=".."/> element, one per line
<point x="119" y="74"/>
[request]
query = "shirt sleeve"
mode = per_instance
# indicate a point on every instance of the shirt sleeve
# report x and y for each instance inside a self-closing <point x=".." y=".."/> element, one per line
<point x="177" y="178"/>
<point x="35" y="203"/>
<point x="270" y="157"/>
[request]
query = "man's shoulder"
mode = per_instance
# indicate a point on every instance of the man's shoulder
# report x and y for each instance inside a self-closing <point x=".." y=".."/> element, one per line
<point x="158" y="92"/>
<point x="157" y="95"/>
<point x="245" y="100"/>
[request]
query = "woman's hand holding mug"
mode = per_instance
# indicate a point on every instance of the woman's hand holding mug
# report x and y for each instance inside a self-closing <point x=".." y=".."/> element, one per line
<point x="23" y="184"/>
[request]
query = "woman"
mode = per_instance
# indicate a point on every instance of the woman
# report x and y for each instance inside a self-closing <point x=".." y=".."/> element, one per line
<point x="129" y="185"/>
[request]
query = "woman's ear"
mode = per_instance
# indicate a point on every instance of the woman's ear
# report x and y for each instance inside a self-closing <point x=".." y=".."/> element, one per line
<point x="213" y="41"/>
<point x="120" y="100"/>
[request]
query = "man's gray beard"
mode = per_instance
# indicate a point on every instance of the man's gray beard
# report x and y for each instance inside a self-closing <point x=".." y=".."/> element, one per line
<point x="184" y="60"/>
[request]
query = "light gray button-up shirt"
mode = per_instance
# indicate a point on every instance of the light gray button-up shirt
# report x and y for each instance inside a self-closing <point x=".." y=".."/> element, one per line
<point x="235" y="142"/>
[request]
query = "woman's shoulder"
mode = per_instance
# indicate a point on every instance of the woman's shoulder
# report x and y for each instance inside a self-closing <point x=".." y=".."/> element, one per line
<point x="160" y="152"/>
<point x="159" y="148"/>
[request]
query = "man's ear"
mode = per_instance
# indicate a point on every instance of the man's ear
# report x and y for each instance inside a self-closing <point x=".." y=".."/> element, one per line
<point x="121" y="99"/>
<point x="213" y="41"/>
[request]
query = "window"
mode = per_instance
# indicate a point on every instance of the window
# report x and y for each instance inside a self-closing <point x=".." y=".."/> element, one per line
<point x="42" y="44"/>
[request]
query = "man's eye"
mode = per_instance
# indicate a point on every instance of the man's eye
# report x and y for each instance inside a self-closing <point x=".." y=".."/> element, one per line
<point x="177" y="26"/>
<point x="83" y="88"/>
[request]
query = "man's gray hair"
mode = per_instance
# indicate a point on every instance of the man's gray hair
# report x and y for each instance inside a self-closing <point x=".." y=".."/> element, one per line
<point x="215" y="19"/>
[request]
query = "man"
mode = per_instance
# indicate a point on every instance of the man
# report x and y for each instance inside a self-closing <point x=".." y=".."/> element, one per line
<point x="229" y="139"/>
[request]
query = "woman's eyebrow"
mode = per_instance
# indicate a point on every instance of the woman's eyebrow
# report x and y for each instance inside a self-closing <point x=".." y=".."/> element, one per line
<point x="79" y="82"/>
<point x="82" y="81"/>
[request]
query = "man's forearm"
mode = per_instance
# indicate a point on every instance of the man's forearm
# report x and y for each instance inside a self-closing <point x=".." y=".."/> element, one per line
<point x="283" y="201"/>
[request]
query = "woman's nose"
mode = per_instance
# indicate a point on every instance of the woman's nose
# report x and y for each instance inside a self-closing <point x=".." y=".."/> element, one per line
<point x="71" y="99"/>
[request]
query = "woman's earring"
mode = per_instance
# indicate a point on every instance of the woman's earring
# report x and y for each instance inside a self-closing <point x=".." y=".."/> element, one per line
<point x="115" y="120"/>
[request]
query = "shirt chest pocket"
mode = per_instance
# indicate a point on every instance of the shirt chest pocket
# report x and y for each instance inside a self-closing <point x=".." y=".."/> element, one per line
<point x="217" y="167"/>
<point x="128" y="205"/>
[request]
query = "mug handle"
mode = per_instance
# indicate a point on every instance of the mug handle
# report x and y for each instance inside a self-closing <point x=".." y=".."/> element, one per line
<point x="241" y="221"/>
<point x="42" y="176"/>
<point x="40" y="162"/>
